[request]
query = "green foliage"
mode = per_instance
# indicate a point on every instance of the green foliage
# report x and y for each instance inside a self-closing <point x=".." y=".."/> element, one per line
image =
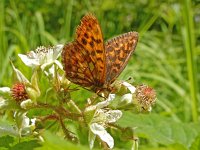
<point x="161" y="130"/>
<point x="53" y="142"/>
<point x="11" y="143"/>
<point x="196" y="144"/>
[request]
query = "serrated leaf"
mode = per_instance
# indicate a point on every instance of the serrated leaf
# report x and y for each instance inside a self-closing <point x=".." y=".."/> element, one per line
<point x="26" y="145"/>
<point x="169" y="147"/>
<point x="160" y="129"/>
<point x="53" y="142"/>
<point x="5" y="141"/>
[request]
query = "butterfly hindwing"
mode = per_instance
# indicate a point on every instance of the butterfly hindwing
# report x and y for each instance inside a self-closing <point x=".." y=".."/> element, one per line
<point x="118" y="51"/>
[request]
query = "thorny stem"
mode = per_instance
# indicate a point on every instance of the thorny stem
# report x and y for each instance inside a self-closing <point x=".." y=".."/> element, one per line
<point x="44" y="105"/>
<point x="60" y="110"/>
<point x="49" y="117"/>
<point x="61" y="113"/>
<point x="65" y="113"/>
<point x="68" y="134"/>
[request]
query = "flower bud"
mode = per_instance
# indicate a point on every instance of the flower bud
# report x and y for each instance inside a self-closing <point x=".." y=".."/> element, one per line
<point x="27" y="104"/>
<point x="32" y="93"/>
<point x="145" y="96"/>
<point x="18" y="92"/>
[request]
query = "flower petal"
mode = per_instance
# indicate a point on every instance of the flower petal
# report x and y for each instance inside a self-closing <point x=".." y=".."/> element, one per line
<point x="102" y="133"/>
<point x="43" y="66"/>
<point x="4" y="89"/>
<point x="57" y="50"/>
<point x="25" y="122"/>
<point x="3" y="103"/>
<point x="113" y="115"/>
<point x="58" y="64"/>
<point x="33" y="121"/>
<point x="31" y="62"/>
<point x="91" y="139"/>
<point x="26" y="104"/>
<point x="126" y="99"/>
<point x="129" y="86"/>
<point x="19" y="75"/>
<point x="106" y="102"/>
<point x="43" y="56"/>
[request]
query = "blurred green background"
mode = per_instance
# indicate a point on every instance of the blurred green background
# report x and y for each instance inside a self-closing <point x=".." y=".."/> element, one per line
<point x="167" y="56"/>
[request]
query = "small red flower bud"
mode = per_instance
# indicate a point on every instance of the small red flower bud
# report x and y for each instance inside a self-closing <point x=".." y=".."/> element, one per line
<point x="145" y="95"/>
<point x="19" y="92"/>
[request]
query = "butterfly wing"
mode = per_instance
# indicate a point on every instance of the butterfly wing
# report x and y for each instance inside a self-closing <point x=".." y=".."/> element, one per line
<point x="84" y="59"/>
<point x="118" y="51"/>
<point x="75" y="61"/>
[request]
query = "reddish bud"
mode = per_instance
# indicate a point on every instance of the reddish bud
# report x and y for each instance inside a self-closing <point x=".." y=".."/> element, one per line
<point x="19" y="92"/>
<point x="145" y="95"/>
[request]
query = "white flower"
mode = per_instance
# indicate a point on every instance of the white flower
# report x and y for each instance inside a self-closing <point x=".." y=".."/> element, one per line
<point x="42" y="56"/>
<point x="106" y="102"/>
<point x="99" y="130"/>
<point x="125" y="100"/>
<point x="28" y="125"/>
<point x="5" y="89"/>
<point x="25" y="122"/>
<point x="25" y="125"/>
<point x="33" y="121"/>
<point x="3" y="103"/>
<point x="100" y="120"/>
<point x="26" y="104"/>
<point x="129" y="86"/>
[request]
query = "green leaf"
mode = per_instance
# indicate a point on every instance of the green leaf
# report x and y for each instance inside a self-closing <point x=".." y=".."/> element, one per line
<point x="5" y="141"/>
<point x="160" y="129"/>
<point x="169" y="147"/>
<point x="53" y="142"/>
<point x="26" y="145"/>
<point x="196" y="144"/>
<point x="11" y="143"/>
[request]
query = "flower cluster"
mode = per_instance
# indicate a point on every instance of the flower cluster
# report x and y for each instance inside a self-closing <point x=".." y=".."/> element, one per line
<point x="98" y="116"/>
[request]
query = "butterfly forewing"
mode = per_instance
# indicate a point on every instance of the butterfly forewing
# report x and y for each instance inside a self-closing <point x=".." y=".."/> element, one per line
<point x="84" y="58"/>
<point x="89" y="35"/>
<point x="75" y="60"/>
<point x="118" y="51"/>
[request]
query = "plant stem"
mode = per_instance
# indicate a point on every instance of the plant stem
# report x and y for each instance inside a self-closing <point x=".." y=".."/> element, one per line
<point x="189" y="41"/>
<point x="68" y="134"/>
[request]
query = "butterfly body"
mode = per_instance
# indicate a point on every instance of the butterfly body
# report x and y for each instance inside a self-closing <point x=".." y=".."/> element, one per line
<point x="93" y="64"/>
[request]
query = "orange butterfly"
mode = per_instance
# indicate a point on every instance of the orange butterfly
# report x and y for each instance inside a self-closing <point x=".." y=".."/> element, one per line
<point x="92" y="64"/>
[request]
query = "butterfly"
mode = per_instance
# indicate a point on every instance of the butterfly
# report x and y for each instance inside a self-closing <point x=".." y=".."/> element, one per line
<point x="93" y="64"/>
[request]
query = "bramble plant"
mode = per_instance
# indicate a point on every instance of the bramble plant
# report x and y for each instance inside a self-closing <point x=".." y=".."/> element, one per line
<point x="95" y="118"/>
